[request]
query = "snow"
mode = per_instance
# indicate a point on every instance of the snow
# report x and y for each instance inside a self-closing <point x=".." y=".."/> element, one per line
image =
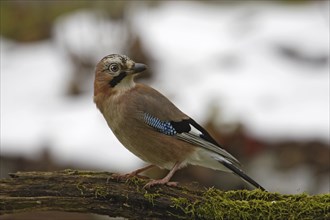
<point x="207" y="56"/>
<point x="273" y="97"/>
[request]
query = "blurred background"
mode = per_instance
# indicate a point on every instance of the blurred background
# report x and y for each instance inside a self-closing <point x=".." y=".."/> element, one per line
<point x="254" y="73"/>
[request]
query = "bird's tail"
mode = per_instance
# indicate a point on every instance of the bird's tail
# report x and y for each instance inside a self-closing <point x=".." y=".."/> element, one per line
<point x="206" y="158"/>
<point x="241" y="174"/>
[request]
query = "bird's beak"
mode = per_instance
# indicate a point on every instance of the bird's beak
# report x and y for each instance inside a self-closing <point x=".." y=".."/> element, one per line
<point x="139" y="67"/>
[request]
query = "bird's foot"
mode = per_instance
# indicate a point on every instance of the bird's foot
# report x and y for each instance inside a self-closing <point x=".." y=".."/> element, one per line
<point x="163" y="181"/>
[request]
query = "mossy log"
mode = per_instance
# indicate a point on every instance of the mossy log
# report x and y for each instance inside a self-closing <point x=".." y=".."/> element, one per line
<point x="99" y="193"/>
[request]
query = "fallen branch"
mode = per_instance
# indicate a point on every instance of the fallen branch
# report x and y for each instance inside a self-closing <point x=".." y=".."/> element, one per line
<point x="98" y="193"/>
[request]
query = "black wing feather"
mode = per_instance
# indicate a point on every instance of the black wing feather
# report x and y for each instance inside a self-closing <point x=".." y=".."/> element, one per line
<point x="241" y="174"/>
<point x="184" y="126"/>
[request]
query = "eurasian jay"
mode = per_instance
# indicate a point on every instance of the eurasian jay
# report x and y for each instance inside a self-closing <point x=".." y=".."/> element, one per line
<point x="152" y="127"/>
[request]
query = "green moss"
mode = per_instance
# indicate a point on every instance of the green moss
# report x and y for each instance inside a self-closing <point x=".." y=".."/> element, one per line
<point x="215" y="204"/>
<point x="256" y="204"/>
<point x="185" y="205"/>
<point x="101" y="191"/>
<point x="81" y="187"/>
<point x="137" y="183"/>
<point x="97" y="190"/>
<point x="151" y="196"/>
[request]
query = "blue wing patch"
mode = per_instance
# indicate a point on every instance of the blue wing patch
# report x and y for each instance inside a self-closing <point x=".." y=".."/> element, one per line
<point x="164" y="127"/>
<point x="178" y="127"/>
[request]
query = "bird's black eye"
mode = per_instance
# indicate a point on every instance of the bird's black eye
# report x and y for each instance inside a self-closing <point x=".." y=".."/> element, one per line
<point x="114" y="67"/>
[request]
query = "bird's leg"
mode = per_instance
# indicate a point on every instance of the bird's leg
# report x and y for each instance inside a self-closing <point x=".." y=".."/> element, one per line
<point x="134" y="173"/>
<point x="166" y="179"/>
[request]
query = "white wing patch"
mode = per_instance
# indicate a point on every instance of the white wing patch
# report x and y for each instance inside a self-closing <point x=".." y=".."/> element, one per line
<point x="194" y="130"/>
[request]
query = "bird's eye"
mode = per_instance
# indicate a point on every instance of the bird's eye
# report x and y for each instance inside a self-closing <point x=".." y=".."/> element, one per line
<point x="114" y="67"/>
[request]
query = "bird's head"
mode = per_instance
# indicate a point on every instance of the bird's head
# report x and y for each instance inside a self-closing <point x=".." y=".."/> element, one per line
<point x="116" y="72"/>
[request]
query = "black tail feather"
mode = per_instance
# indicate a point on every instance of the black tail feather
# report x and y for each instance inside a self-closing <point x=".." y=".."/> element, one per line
<point x="241" y="174"/>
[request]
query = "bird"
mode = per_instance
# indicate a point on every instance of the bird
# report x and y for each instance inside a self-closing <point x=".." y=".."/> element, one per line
<point x="151" y="127"/>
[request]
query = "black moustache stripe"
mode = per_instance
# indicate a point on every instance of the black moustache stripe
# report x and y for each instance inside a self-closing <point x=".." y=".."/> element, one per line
<point x="117" y="79"/>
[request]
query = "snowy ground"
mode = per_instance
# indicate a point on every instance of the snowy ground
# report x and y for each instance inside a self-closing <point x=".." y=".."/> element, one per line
<point x="230" y="52"/>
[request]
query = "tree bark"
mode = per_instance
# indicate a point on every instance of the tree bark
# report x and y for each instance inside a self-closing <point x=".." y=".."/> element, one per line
<point x="99" y="193"/>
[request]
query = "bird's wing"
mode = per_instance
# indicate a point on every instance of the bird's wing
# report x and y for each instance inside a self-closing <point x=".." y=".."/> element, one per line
<point x="190" y="131"/>
<point x="162" y="115"/>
